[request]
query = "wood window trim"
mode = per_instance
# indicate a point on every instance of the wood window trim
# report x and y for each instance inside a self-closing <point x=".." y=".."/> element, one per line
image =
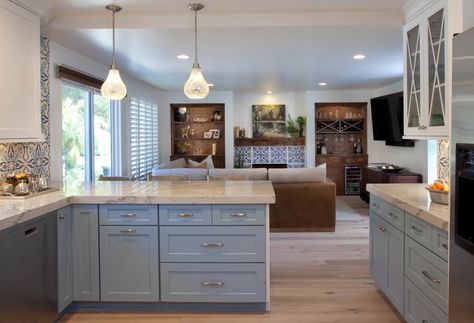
<point x="67" y="73"/>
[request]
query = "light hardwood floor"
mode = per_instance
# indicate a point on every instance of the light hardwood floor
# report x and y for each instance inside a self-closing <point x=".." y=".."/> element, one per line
<point x="315" y="277"/>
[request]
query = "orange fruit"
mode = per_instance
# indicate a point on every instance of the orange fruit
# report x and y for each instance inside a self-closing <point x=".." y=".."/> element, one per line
<point x="438" y="185"/>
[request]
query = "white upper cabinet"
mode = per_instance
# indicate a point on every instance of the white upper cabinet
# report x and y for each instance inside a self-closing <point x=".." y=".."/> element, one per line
<point x="20" y="105"/>
<point x="427" y="74"/>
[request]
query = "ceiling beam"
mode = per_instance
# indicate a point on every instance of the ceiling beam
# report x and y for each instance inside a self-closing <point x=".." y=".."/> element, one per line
<point x="362" y="18"/>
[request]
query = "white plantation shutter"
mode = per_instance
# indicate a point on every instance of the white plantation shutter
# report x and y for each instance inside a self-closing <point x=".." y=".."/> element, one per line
<point x="143" y="137"/>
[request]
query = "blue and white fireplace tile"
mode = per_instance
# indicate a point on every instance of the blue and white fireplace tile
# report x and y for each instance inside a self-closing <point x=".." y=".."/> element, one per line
<point x="245" y="153"/>
<point x="260" y="155"/>
<point x="296" y="155"/>
<point x="278" y="155"/>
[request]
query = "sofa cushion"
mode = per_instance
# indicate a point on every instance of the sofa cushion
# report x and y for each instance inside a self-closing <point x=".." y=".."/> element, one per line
<point x="253" y="174"/>
<point x="166" y="178"/>
<point x="178" y="163"/>
<point x="228" y="178"/>
<point x="193" y="174"/>
<point x="209" y="163"/>
<point x="297" y="175"/>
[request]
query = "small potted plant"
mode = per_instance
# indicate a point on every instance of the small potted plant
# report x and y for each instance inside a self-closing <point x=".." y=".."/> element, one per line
<point x="295" y="128"/>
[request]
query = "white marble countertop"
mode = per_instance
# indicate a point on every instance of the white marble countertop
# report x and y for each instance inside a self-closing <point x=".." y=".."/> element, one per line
<point x="415" y="199"/>
<point x="13" y="211"/>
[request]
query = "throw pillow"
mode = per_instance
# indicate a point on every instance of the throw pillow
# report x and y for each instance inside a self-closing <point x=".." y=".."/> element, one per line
<point x="178" y="163"/>
<point x="195" y="164"/>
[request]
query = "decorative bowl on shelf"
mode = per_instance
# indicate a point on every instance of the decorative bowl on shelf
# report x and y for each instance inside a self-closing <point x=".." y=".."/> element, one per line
<point x="438" y="196"/>
<point x="391" y="168"/>
<point x="200" y="119"/>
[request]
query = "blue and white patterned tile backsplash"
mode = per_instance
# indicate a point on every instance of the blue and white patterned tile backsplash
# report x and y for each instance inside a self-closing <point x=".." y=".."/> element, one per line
<point x="293" y="156"/>
<point x="31" y="157"/>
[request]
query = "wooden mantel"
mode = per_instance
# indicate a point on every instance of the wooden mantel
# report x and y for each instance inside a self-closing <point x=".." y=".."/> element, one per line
<point x="269" y="141"/>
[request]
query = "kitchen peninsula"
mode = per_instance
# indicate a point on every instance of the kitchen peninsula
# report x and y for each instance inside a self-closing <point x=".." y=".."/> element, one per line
<point x="409" y="250"/>
<point x="151" y="245"/>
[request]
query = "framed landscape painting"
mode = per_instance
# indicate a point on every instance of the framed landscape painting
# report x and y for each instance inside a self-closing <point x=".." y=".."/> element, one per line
<point x="268" y="120"/>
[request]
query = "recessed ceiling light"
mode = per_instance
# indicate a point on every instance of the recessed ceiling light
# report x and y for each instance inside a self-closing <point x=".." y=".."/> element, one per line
<point x="359" y="56"/>
<point x="183" y="56"/>
<point x="269" y="92"/>
<point x="210" y="84"/>
<point x="322" y="84"/>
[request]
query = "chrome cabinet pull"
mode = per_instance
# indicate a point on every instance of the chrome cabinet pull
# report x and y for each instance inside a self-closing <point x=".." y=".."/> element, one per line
<point x="62" y="216"/>
<point x="129" y="215"/>
<point x="31" y="232"/>
<point x="433" y="280"/>
<point x="416" y="229"/>
<point x="211" y="245"/>
<point x="185" y="215"/>
<point x="239" y="215"/>
<point x="376" y="205"/>
<point x="212" y="284"/>
<point x="393" y="215"/>
<point x="128" y="230"/>
<point x="445" y="246"/>
<point x="382" y="228"/>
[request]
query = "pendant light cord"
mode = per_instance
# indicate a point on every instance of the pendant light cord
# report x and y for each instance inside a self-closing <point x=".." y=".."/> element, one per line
<point x="113" y="39"/>
<point x="196" y="63"/>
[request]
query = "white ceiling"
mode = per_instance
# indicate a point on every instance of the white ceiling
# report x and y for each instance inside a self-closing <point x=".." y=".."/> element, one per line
<point x="245" y="45"/>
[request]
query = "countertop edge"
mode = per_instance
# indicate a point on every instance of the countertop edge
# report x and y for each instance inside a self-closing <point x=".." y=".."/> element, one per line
<point x="435" y="220"/>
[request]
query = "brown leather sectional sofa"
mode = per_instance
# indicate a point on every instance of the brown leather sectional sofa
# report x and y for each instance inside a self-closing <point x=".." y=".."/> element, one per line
<point x="305" y="198"/>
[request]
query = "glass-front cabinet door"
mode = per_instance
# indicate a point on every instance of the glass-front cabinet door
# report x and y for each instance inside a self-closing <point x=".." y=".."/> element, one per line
<point x="436" y="70"/>
<point x="413" y="77"/>
<point x="427" y="96"/>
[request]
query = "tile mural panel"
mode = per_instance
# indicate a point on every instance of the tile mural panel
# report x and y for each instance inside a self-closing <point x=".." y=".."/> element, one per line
<point x="31" y="157"/>
<point x="443" y="160"/>
<point x="293" y="156"/>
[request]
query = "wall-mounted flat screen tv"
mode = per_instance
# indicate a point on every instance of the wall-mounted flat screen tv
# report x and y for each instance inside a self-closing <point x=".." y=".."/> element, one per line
<point x="387" y="120"/>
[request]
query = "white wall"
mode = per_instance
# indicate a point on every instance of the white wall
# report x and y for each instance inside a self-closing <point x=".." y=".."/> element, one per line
<point x="225" y="97"/>
<point x="62" y="56"/>
<point x="414" y="159"/>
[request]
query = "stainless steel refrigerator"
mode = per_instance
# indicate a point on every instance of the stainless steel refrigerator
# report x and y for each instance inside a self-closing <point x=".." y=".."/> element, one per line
<point x="461" y="254"/>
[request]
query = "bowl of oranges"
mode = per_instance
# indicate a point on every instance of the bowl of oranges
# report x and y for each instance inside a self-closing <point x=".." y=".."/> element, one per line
<point x="439" y="191"/>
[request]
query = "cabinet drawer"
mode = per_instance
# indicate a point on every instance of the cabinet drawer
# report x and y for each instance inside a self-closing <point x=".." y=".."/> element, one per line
<point x="428" y="272"/>
<point x="212" y="244"/>
<point x="377" y="205"/>
<point x="128" y="214"/>
<point x="419" y="308"/>
<point x="419" y="230"/>
<point x="440" y="243"/>
<point x="238" y="214"/>
<point x="212" y="282"/>
<point x="395" y="216"/>
<point x="330" y="159"/>
<point x="185" y="214"/>
<point x="355" y="160"/>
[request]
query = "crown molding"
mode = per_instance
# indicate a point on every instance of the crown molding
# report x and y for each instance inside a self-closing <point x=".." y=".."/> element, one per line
<point x="413" y="8"/>
<point x="41" y="8"/>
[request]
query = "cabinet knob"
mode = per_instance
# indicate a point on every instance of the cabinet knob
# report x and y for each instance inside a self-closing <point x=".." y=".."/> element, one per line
<point x="62" y="216"/>
<point x="382" y="228"/>
<point x="445" y="246"/>
<point x="393" y="215"/>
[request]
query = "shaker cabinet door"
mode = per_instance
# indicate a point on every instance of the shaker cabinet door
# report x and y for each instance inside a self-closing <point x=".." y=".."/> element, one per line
<point x="65" y="286"/>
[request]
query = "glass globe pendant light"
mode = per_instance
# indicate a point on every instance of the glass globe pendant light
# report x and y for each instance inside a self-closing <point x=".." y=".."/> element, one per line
<point x="113" y="88"/>
<point x="196" y="86"/>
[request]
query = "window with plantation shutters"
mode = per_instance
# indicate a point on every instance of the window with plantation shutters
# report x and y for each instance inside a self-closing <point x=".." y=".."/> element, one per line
<point x="143" y="137"/>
